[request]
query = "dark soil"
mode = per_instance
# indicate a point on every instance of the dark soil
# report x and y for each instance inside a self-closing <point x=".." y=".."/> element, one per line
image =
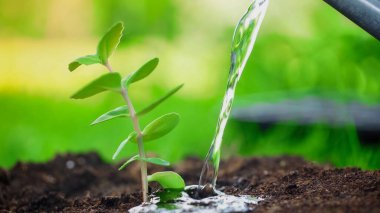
<point x="84" y="183"/>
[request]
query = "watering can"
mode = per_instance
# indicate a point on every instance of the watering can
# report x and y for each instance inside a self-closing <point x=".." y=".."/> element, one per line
<point x="365" y="13"/>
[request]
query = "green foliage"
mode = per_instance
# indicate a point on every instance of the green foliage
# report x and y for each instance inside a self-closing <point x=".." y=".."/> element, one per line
<point x="168" y="195"/>
<point x="146" y="18"/>
<point x="131" y="136"/>
<point x="106" y="47"/>
<point x="136" y="157"/>
<point x="159" y="101"/>
<point x="157" y="161"/>
<point x="113" y="82"/>
<point x="142" y="72"/>
<point x="109" y="81"/>
<point x="160" y="127"/>
<point x="168" y="180"/>
<point x="109" y="42"/>
<point x="85" y="60"/>
<point x="121" y="111"/>
<point x="154" y="130"/>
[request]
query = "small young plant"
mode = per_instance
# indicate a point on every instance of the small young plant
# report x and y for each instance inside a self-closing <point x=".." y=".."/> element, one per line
<point x="112" y="81"/>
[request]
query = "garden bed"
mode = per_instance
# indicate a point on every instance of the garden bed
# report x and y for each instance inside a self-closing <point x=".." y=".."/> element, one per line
<point x="84" y="183"/>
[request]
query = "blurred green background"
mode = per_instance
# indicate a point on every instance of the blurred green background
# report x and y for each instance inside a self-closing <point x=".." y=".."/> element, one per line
<point x="304" y="47"/>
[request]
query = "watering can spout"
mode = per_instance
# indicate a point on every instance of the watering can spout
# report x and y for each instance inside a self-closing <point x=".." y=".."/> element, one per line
<point x="365" y="13"/>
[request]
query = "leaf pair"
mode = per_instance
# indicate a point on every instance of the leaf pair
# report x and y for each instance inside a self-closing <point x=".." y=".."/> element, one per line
<point x="106" y="47"/>
<point x="123" y="111"/>
<point x="112" y="81"/>
<point x="154" y="130"/>
<point x="157" y="161"/>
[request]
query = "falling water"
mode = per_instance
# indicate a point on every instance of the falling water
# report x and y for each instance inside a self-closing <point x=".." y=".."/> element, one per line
<point x="242" y="44"/>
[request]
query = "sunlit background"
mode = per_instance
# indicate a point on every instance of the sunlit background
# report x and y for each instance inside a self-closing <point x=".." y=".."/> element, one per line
<point x="305" y="50"/>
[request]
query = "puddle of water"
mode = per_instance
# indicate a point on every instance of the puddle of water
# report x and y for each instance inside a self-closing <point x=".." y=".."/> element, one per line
<point x="219" y="203"/>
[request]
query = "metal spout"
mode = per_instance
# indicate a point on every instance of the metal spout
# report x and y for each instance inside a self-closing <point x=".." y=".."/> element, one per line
<point x="365" y="13"/>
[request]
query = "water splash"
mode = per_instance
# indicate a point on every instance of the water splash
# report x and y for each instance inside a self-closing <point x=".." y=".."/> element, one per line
<point x="243" y="41"/>
<point x="184" y="202"/>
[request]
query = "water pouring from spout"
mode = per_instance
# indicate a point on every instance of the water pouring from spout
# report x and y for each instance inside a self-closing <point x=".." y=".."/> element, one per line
<point x="242" y="44"/>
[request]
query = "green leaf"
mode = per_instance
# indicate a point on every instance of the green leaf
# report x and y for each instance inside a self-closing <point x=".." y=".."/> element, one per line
<point x="109" y="42"/>
<point x="160" y="127"/>
<point x="109" y="81"/>
<point x="159" y="101"/>
<point x="167" y="196"/>
<point x="141" y="73"/>
<point x="85" y="60"/>
<point x="136" y="157"/>
<point x="168" y="180"/>
<point x="121" y="111"/>
<point x="157" y="161"/>
<point x="131" y="136"/>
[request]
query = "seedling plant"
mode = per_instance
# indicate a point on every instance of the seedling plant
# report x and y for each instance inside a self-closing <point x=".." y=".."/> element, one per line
<point x="113" y="81"/>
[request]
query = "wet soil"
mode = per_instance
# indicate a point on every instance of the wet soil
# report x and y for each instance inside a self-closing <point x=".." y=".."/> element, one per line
<point x="84" y="183"/>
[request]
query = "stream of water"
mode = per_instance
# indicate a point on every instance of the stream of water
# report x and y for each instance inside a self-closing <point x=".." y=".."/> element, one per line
<point x="242" y="44"/>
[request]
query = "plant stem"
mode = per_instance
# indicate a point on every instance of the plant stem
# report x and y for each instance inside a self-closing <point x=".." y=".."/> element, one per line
<point x="136" y="127"/>
<point x="108" y="65"/>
